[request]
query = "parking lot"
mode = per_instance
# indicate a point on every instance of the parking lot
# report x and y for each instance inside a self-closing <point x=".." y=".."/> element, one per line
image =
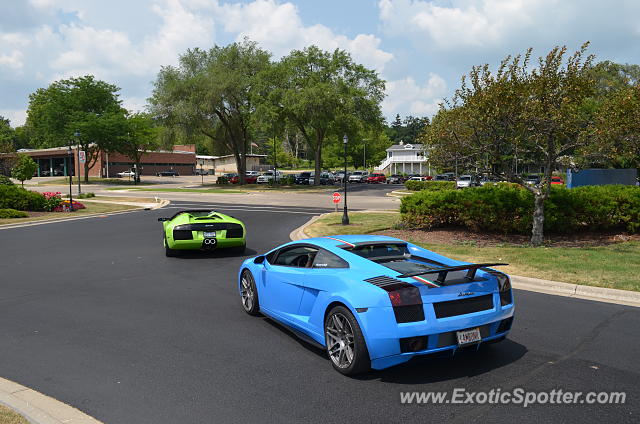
<point x="93" y="314"/>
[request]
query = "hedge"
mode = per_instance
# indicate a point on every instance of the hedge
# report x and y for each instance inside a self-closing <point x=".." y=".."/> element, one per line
<point x="508" y="208"/>
<point x="414" y="185"/>
<point x="4" y="180"/>
<point x="12" y="213"/>
<point x="14" y="197"/>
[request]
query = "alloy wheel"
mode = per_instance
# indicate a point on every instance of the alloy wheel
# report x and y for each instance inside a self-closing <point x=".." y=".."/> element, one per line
<point x="340" y="340"/>
<point x="247" y="292"/>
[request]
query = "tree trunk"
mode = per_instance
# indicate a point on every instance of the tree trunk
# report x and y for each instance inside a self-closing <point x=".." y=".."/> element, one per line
<point x="242" y="167"/>
<point x="537" y="232"/>
<point x="318" y="168"/>
<point x="86" y="170"/>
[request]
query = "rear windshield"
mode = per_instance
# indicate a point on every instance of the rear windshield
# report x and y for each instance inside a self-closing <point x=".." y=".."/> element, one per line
<point x="396" y="256"/>
<point x="465" y="178"/>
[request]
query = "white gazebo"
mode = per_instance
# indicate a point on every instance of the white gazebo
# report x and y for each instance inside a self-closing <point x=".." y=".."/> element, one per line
<point x="405" y="158"/>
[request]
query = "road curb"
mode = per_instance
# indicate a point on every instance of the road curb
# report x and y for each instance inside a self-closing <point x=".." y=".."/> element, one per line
<point x="161" y="204"/>
<point x="601" y="294"/>
<point x="39" y="408"/>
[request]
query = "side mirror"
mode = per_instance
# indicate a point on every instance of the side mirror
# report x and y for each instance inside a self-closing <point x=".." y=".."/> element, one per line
<point x="162" y="219"/>
<point x="258" y="259"/>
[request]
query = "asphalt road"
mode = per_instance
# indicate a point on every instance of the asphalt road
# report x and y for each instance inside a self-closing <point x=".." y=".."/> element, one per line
<point x="93" y="314"/>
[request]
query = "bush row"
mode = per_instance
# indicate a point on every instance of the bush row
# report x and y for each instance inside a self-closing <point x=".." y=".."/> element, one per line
<point x="429" y="185"/>
<point x="508" y="208"/>
<point x="14" y="197"/>
<point x="4" y="180"/>
<point x="12" y="213"/>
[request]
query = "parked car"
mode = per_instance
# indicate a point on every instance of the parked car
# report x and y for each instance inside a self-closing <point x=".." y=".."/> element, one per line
<point x="445" y="177"/>
<point x="488" y="180"/>
<point x="358" y="177"/>
<point x="557" y="180"/>
<point x="325" y="178"/>
<point x="465" y="181"/>
<point x="339" y="176"/>
<point x="129" y="173"/>
<point x="269" y="176"/>
<point x="302" y="178"/>
<point x="250" y="177"/>
<point x="376" y="178"/>
<point x="532" y="179"/>
<point x="200" y="171"/>
<point x="169" y="173"/>
<point x="396" y="179"/>
<point x="382" y="300"/>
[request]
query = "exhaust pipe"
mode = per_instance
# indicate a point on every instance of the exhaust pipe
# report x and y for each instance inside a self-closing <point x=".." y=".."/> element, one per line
<point x="209" y="243"/>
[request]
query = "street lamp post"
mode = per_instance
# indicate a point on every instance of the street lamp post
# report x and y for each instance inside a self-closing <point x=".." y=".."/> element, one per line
<point x="345" y="216"/>
<point x="77" y="135"/>
<point x="69" y="163"/>
<point x="364" y="154"/>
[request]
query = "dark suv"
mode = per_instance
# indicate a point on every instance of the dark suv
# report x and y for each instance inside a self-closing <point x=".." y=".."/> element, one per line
<point x="303" y="178"/>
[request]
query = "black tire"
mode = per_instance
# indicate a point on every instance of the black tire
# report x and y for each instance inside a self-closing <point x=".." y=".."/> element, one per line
<point x="169" y="253"/>
<point x="250" y="304"/>
<point x="360" y="362"/>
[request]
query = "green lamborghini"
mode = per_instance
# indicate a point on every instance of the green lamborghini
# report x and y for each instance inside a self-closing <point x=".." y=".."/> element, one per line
<point x="202" y="230"/>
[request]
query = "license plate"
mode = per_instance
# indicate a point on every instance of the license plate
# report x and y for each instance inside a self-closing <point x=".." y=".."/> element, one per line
<point x="209" y="234"/>
<point x="468" y="336"/>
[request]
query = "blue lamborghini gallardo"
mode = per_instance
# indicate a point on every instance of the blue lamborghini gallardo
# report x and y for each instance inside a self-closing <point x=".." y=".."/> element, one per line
<point x="375" y="301"/>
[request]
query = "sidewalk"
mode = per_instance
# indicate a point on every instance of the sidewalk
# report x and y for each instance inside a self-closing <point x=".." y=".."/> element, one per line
<point x="39" y="408"/>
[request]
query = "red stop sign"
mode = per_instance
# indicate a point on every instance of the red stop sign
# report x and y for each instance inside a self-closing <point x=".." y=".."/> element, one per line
<point x="336" y="197"/>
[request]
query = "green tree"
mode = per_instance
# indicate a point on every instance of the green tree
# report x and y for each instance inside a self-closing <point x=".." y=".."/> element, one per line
<point x="141" y="137"/>
<point x="323" y="95"/>
<point x="84" y="106"/>
<point x="617" y="130"/>
<point x="24" y="168"/>
<point x="211" y="93"/>
<point x="518" y="114"/>
<point x="7" y="133"/>
<point x="611" y="77"/>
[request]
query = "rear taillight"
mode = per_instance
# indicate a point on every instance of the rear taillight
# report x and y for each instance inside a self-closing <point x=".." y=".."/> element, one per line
<point x="504" y="287"/>
<point x="405" y="296"/>
<point x="407" y="304"/>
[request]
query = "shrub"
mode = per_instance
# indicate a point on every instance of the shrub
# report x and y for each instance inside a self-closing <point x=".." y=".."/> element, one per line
<point x="12" y="213"/>
<point x="82" y="195"/>
<point x="52" y="200"/>
<point x="14" y="197"/>
<point x="508" y="208"/>
<point x="4" y="180"/>
<point x="64" y="206"/>
<point x="429" y="185"/>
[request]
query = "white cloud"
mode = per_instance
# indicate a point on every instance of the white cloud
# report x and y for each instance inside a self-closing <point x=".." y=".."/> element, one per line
<point x="17" y="117"/>
<point x="406" y="95"/>
<point x="279" y="29"/>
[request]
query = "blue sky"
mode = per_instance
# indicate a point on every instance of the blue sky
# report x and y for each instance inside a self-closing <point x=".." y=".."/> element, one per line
<point x="421" y="48"/>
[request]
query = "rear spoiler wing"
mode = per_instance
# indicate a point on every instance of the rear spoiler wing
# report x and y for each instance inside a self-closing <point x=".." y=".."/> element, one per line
<point x="443" y="271"/>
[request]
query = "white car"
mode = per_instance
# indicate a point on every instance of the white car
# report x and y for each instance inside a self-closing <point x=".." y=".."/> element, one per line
<point x="465" y="181"/>
<point x="126" y="174"/>
<point x="268" y="176"/>
<point x="358" y="176"/>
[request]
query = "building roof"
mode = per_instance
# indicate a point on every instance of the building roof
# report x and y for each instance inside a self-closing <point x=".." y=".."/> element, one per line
<point x="407" y="146"/>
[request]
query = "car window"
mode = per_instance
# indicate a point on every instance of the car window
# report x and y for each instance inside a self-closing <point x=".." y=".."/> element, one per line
<point x="326" y="259"/>
<point x="298" y="256"/>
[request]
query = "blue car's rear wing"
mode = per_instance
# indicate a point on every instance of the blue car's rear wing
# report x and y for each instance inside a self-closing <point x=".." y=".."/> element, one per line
<point x="443" y="271"/>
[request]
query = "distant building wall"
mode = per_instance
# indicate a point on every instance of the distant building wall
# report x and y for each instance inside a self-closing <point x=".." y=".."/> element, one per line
<point x="587" y="177"/>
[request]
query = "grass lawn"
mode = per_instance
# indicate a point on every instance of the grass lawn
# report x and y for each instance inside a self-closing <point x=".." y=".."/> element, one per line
<point x="8" y="416"/>
<point x="359" y="223"/>
<point x="613" y="265"/>
<point x="91" y="209"/>
<point x="181" y="190"/>
<point x="92" y="180"/>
